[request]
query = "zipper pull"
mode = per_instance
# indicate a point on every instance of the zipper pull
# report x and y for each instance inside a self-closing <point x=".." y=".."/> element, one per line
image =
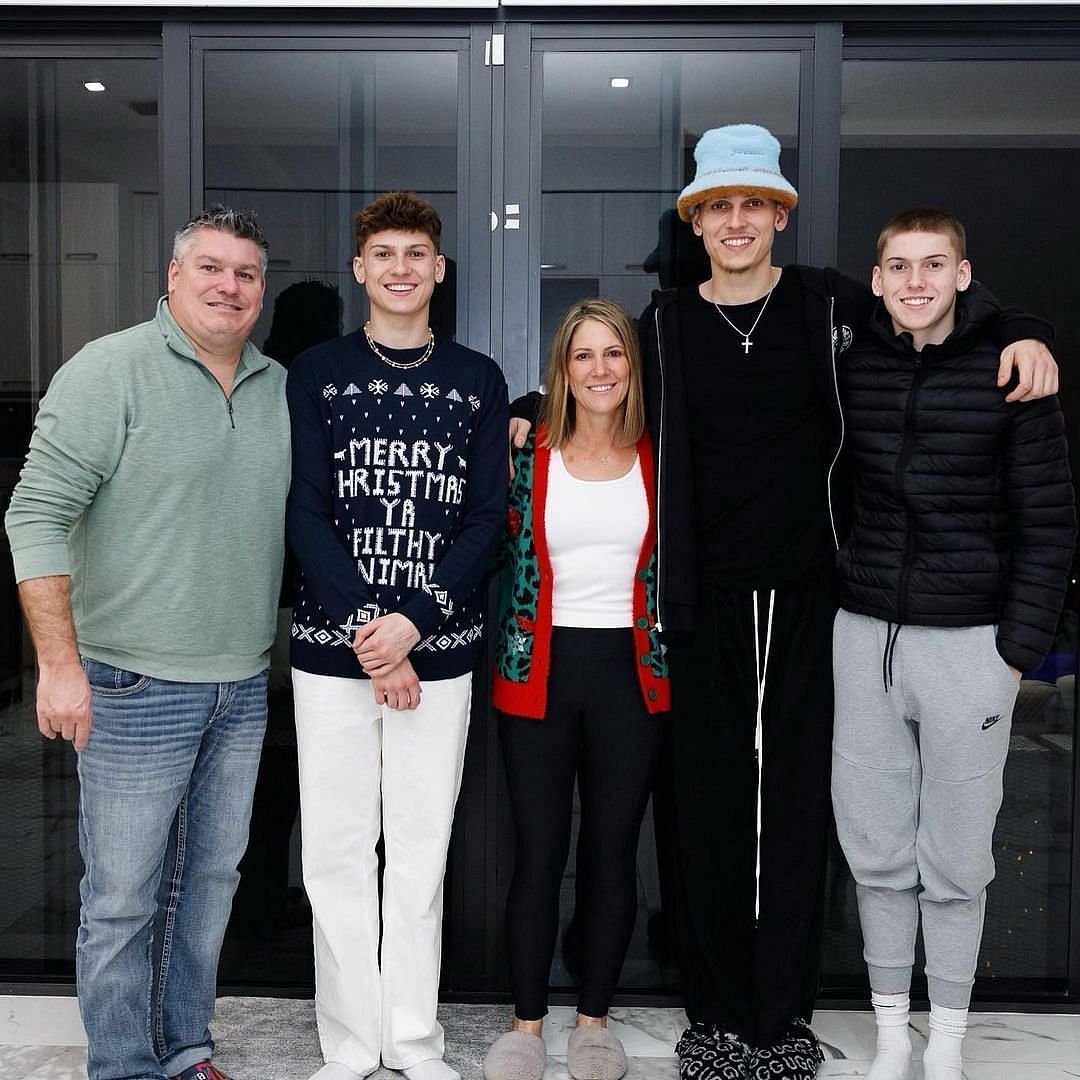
<point x="228" y="405"/>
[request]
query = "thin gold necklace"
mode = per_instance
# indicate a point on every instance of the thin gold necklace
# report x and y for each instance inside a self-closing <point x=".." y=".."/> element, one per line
<point x="602" y="458"/>
<point x="396" y="363"/>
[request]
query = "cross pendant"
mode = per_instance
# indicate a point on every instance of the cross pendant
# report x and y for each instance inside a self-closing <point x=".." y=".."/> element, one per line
<point x="746" y="346"/>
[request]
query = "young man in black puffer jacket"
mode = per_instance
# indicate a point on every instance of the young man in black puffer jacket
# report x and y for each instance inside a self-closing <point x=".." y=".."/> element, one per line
<point x="951" y="582"/>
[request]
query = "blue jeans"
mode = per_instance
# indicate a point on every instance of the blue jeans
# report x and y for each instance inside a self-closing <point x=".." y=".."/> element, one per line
<point x="166" y="784"/>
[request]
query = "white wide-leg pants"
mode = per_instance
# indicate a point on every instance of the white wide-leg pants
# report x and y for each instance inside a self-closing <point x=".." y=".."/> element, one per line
<point x="366" y="769"/>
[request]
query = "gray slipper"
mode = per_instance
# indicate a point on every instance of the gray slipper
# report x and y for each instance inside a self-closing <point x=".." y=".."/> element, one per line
<point x="594" y="1053"/>
<point x="517" y="1055"/>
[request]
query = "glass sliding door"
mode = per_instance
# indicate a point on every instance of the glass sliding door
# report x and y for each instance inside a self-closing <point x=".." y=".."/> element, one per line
<point x="556" y="175"/>
<point x="1001" y="149"/>
<point x="79" y="258"/>
<point x="614" y="121"/>
<point x="305" y="138"/>
<point x="618" y="131"/>
<point x="306" y="132"/>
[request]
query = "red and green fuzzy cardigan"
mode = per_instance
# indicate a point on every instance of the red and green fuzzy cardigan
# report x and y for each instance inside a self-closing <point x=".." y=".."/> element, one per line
<point x="523" y="634"/>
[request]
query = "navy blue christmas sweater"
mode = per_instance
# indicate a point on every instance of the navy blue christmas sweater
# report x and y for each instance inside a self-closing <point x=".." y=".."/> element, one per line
<point x="397" y="502"/>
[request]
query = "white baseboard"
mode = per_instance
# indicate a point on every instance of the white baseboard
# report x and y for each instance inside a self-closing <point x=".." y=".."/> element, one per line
<point x="27" y="1020"/>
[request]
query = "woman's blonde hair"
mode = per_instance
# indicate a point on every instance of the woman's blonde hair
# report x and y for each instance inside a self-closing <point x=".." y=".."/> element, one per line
<point x="558" y="407"/>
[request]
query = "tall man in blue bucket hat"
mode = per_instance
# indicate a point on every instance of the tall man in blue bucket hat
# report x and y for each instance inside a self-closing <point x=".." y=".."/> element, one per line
<point x="741" y="394"/>
<point x="742" y="390"/>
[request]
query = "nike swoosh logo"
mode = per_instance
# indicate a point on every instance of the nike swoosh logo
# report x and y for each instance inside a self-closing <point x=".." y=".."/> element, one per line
<point x="990" y="721"/>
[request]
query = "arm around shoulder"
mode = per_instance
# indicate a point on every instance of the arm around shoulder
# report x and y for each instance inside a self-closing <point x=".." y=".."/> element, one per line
<point x="1026" y="342"/>
<point x="854" y="302"/>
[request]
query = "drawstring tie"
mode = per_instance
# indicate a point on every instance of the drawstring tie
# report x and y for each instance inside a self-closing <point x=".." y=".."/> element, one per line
<point x="760" y="664"/>
<point x="887" y="655"/>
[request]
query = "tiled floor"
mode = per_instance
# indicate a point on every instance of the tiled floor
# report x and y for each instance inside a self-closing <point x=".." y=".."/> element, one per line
<point x="266" y="1039"/>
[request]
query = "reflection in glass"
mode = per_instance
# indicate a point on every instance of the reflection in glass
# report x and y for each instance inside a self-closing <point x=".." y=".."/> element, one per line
<point x="307" y="138"/>
<point x="616" y="157"/>
<point x="994" y="134"/>
<point x="79" y="258"/>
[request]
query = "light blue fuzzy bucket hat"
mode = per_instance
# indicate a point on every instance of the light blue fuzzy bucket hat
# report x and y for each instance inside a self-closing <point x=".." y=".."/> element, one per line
<point x="735" y="160"/>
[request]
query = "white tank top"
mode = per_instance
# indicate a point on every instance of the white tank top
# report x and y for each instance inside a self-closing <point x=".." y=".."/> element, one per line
<point x="595" y="529"/>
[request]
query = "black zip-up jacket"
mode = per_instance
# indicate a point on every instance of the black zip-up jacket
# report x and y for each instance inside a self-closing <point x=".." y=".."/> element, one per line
<point x="837" y="307"/>
<point x="963" y="504"/>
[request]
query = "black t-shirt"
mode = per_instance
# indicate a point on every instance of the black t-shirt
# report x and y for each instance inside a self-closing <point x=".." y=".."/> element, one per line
<point x="759" y="439"/>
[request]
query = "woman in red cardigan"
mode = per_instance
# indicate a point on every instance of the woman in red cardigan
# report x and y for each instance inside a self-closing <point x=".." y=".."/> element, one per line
<point x="580" y="676"/>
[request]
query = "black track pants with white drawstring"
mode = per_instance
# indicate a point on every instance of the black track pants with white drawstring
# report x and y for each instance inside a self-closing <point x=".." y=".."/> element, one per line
<point x="750" y="909"/>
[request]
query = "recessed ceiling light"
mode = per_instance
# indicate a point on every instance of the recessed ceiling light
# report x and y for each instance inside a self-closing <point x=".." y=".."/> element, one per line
<point x="620" y="83"/>
<point x="95" y="87"/>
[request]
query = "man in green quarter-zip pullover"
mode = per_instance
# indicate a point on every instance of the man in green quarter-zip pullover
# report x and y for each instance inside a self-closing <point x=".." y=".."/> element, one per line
<point x="147" y="534"/>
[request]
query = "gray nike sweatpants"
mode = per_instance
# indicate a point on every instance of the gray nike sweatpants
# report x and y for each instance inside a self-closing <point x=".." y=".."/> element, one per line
<point x="922" y="732"/>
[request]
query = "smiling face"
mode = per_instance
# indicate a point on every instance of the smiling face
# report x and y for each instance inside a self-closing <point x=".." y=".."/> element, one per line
<point x="216" y="291"/>
<point x="399" y="269"/>
<point x="738" y="231"/>
<point x="918" y="277"/>
<point x="597" y="369"/>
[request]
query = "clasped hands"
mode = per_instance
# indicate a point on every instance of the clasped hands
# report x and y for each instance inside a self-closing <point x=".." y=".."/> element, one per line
<point x="382" y="647"/>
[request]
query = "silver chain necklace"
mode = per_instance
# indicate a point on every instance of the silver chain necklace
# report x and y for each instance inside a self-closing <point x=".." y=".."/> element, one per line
<point x="396" y="363"/>
<point x="746" y="343"/>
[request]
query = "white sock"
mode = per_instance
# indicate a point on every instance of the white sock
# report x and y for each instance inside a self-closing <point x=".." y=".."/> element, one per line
<point x="893" y="1058"/>
<point x="943" y="1060"/>
<point x="432" y="1069"/>
<point x="334" y="1070"/>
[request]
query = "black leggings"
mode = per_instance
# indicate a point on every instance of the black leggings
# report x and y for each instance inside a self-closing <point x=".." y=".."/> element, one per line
<point x="598" y="730"/>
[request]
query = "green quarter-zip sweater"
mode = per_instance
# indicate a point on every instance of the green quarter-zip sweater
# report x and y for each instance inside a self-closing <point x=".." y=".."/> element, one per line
<point x="164" y="501"/>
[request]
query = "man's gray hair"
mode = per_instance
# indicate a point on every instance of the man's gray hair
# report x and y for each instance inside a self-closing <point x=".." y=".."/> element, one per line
<point x="238" y="223"/>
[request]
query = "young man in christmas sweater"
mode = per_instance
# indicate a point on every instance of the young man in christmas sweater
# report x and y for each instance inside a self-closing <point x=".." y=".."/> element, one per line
<point x="951" y="582"/>
<point x="395" y="513"/>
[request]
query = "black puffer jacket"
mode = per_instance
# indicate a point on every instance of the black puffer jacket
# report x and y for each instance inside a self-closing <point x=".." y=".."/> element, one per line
<point x="963" y="504"/>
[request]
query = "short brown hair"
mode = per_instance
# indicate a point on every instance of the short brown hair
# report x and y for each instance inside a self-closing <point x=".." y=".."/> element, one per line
<point x="402" y="210"/>
<point x="924" y="219"/>
<point x="557" y="408"/>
